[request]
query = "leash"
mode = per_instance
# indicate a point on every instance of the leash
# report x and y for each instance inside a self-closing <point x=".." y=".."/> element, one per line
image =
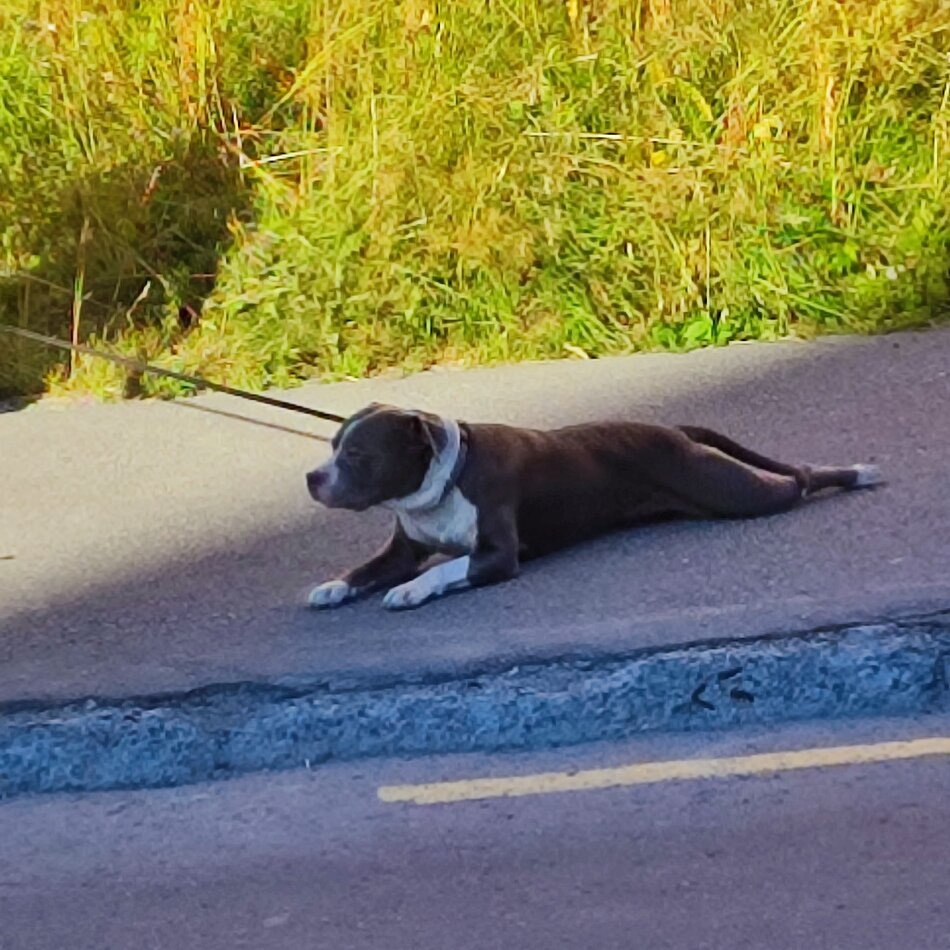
<point x="199" y="382"/>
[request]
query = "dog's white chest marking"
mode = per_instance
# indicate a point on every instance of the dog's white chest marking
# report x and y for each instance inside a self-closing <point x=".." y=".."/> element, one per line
<point x="450" y="526"/>
<point x="443" y="520"/>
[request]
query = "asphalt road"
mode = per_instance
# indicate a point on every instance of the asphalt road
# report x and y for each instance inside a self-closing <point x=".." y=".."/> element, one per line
<point x="156" y="546"/>
<point x="853" y="857"/>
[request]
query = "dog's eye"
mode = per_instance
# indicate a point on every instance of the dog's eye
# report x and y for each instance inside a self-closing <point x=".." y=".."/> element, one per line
<point x="356" y="460"/>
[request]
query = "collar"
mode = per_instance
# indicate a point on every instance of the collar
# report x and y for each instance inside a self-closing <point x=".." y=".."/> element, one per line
<point x="443" y="473"/>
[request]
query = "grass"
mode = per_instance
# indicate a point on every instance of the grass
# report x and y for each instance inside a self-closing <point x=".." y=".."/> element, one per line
<point x="267" y="191"/>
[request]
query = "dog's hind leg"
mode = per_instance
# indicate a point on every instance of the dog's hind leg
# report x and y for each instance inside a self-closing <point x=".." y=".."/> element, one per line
<point x="810" y="478"/>
<point x="708" y="482"/>
<point x="848" y="477"/>
<point x="716" y="440"/>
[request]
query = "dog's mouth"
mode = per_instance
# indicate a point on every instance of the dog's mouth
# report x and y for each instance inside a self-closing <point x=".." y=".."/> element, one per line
<point x="319" y="498"/>
<point x="330" y="497"/>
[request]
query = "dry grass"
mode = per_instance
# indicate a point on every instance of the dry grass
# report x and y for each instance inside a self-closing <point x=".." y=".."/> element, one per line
<point x="266" y="191"/>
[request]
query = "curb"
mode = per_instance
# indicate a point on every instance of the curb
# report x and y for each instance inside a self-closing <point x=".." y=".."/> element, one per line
<point x="226" y="730"/>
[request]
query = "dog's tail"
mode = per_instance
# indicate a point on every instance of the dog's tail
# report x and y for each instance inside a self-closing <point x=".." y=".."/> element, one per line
<point x="810" y="478"/>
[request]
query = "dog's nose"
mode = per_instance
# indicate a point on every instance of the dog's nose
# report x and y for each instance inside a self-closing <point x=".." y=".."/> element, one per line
<point x="315" y="479"/>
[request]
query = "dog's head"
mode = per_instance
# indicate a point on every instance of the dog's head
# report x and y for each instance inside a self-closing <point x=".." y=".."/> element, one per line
<point x="380" y="454"/>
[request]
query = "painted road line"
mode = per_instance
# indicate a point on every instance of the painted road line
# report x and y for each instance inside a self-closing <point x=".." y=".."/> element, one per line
<point x="650" y="773"/>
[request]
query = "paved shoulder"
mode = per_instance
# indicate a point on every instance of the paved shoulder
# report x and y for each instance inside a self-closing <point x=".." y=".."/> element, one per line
<point x="162" y="546"/>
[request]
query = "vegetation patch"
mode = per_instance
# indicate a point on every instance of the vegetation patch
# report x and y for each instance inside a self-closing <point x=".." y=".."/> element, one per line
<point x="265" y="192"/>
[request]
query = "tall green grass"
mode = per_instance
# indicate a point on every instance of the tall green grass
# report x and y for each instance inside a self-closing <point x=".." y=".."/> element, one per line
<point x="264" y="191"/>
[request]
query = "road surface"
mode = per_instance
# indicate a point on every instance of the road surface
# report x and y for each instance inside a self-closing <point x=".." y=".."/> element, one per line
<point x="851" y="857"/>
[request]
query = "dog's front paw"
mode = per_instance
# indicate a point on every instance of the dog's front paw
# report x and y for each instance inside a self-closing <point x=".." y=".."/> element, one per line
<point x="331" y="594"/>
<point x="405" y="596"/>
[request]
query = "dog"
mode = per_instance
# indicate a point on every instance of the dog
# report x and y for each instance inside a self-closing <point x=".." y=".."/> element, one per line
<point x="492" y="497"/>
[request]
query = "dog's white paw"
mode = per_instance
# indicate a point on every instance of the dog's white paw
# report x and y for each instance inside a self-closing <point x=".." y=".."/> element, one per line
<point x="868" y="476"/>
<point x="438" y="580"/>
<point x="331" y="594"/>
<point x="408" y="595"/>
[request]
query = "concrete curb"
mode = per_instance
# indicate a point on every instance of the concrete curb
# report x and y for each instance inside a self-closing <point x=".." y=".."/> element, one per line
<point x="884" y="669"/>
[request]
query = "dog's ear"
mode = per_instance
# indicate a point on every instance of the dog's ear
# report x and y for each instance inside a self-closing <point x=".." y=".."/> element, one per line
<point x="433" y="430"/>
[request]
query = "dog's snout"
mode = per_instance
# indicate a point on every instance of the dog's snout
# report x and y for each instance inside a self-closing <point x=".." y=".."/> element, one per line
<point x="317" y="482"/>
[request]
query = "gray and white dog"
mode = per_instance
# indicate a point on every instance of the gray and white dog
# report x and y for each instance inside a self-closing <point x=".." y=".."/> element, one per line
<point x="492" y="496"/>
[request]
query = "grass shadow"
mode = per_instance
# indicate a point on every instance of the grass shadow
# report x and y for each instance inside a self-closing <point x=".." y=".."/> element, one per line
<point x="130" y="247"/>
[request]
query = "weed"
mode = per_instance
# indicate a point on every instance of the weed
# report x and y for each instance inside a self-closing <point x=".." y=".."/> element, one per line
<point x="265" y="192"/>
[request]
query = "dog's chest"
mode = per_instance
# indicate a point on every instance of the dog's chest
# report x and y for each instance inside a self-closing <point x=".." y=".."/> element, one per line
<point x="452" y="526"/>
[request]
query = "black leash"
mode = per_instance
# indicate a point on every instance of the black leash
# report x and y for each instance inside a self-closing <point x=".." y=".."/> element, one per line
<point x="198" y="382"/>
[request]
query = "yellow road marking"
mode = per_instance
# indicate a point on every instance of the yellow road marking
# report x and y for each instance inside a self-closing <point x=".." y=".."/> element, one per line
<point x="649" y="773"/>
